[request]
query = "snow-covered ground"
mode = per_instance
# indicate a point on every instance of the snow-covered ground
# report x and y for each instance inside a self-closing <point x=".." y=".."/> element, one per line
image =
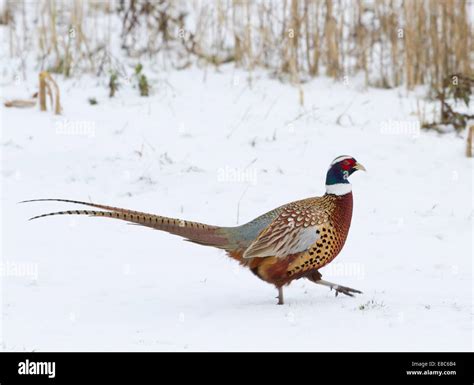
<point x="207" y="146"/>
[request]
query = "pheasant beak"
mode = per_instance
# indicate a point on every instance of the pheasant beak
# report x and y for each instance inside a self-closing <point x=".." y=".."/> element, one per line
<point x="359" y="166"/>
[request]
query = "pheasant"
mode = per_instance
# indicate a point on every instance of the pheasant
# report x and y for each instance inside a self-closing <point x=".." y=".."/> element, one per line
<point x="290" y="242"/>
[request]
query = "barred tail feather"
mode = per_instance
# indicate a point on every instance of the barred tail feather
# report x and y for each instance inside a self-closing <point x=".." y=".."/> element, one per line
<point x="193" y="231"/>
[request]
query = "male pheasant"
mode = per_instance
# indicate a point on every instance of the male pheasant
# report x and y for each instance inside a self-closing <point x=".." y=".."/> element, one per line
<point x="290" y="242"/>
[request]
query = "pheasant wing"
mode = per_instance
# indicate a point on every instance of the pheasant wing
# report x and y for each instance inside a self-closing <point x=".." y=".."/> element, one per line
<point x="293" y="231"/>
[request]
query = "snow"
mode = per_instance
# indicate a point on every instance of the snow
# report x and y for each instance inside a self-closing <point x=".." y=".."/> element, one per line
<point x="210" y="147"/>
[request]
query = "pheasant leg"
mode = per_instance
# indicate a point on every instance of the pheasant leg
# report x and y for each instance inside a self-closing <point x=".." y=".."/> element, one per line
<point x="316" y="278"/>
<point x="280" y="296"/>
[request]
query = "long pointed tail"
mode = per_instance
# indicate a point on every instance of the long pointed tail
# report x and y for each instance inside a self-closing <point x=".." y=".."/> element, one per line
<point x="193" y="231"/>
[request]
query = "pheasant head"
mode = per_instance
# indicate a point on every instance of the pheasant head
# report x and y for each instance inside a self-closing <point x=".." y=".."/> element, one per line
<point x="338" y="174"/>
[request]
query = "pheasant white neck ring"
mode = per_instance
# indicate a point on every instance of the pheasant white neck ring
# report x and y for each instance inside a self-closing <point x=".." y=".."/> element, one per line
<point x="338" y="188"/>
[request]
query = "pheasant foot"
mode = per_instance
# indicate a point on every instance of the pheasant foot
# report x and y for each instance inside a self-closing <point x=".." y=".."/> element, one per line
<point x="338" y="288"/>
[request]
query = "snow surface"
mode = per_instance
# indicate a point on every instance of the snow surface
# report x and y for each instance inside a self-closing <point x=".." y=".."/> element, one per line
<point x="209" y="147"/>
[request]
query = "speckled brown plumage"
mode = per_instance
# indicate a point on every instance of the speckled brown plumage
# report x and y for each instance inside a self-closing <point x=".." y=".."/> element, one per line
<point x="333" y="234"/>
<point x="330" y="216"/>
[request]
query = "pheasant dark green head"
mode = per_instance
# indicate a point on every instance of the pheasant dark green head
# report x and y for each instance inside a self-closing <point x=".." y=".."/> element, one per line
<point x="339" y="171"/>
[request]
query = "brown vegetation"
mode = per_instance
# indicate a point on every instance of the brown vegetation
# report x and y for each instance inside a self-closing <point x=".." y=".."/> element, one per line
<point x="392" y="42"/>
